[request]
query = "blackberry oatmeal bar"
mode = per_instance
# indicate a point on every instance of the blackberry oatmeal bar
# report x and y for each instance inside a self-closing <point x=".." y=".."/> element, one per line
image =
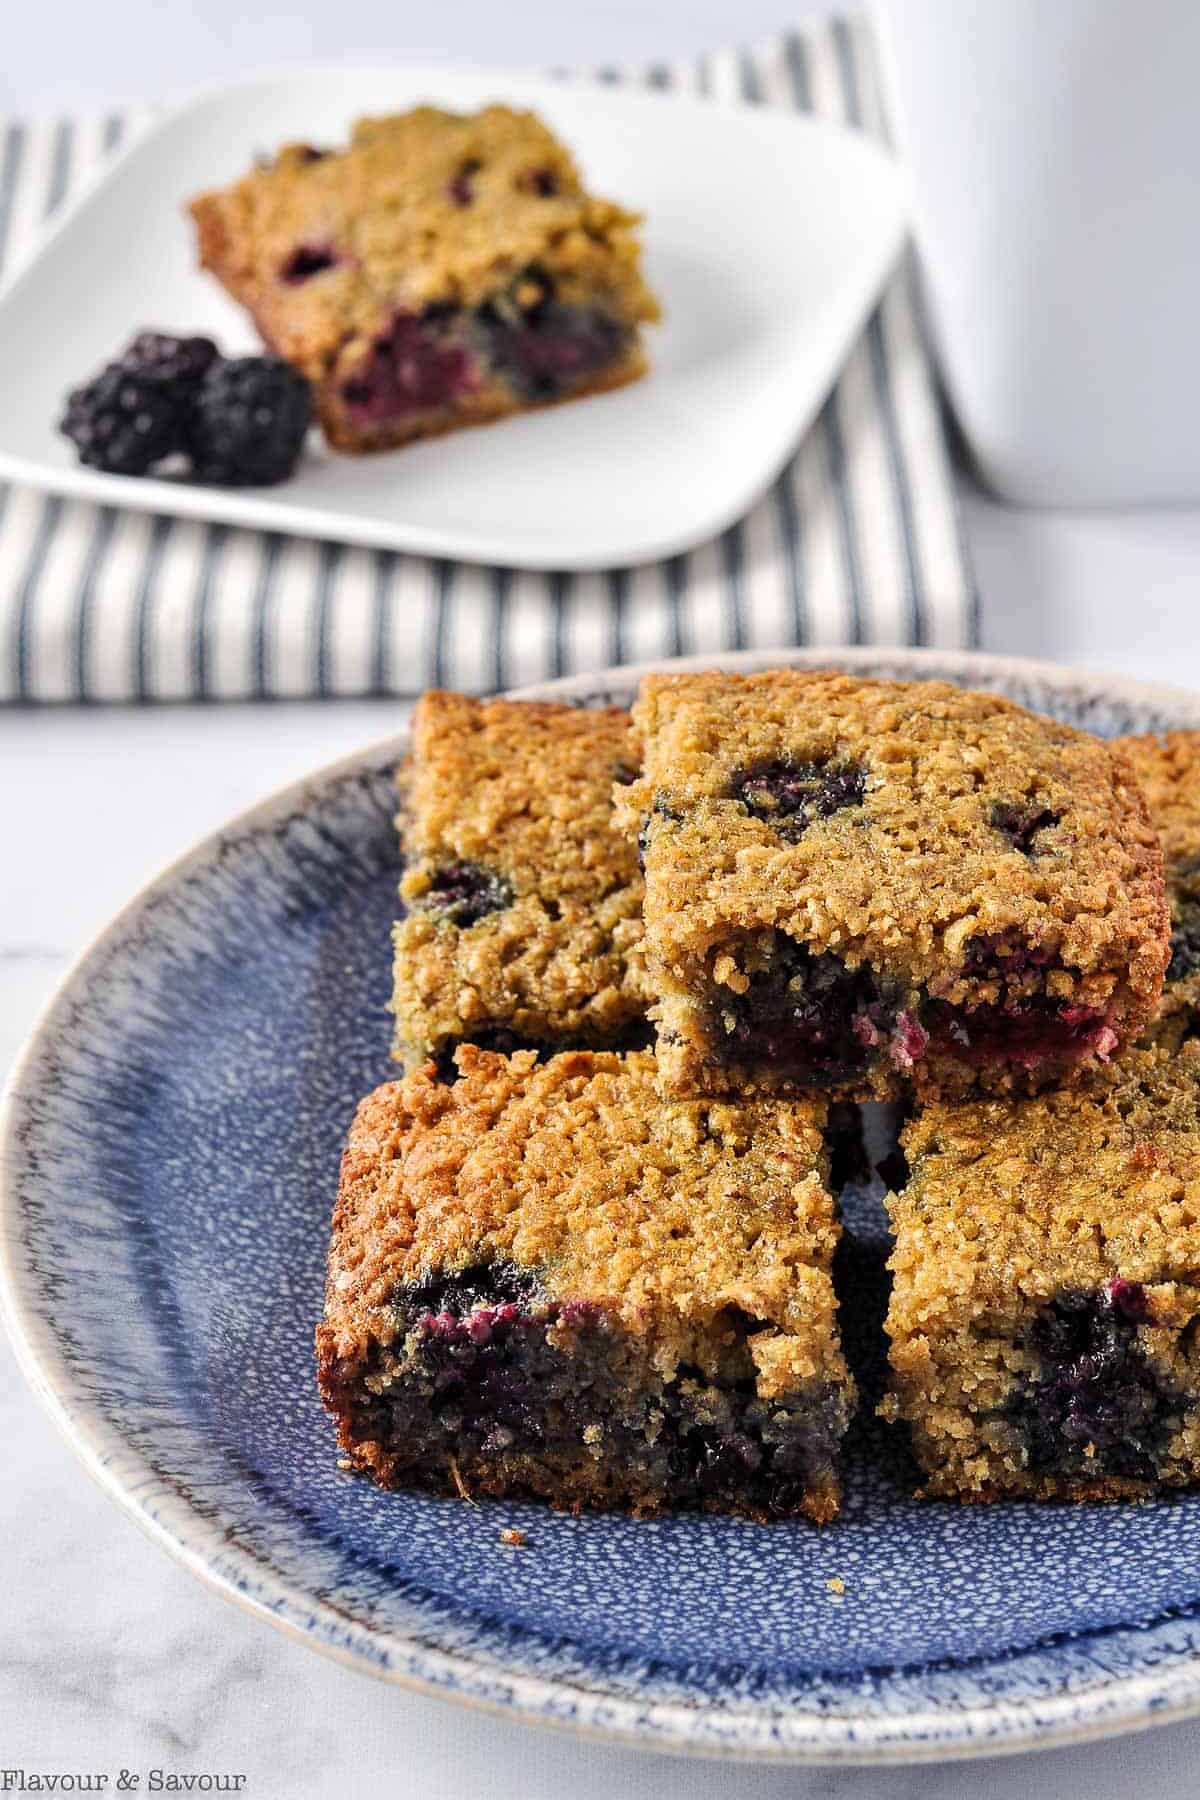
<point x="1168" y="772"/>
<point x="544" y="1279"/>
<point x="441" y="270"/>
<point x="868" y="887"/>
<point x="523" y="925"/>
<point x="1047" y="1288"/>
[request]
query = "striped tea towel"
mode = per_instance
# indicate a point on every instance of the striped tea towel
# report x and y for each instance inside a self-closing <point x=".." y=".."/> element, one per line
<point x="857" y="542"/>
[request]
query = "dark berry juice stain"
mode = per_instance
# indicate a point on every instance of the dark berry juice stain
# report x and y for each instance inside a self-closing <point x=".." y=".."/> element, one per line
<point x="488" y="1376"/>
<point x="790" y="795"/>
<point x="307" y="260"/>
<point x="723" y="1445"/>
<point x="545" y="349"/>
<point x="1185" y="940"/>
<point x="1022" y="1030"/>
<point x="462" y="893"/>
<point x="1095" y="1406"/>
<point x="1020" y="822"/>
<point x="812" y="1017"/>
<point x="420" y="362"/>
<point x="1004" y="956"/>
<point x="660" y="809"/>
<point x="1037" y="1034"/>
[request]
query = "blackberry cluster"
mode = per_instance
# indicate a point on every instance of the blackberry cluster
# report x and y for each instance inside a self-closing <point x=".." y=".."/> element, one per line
<point x="240" y="421"/>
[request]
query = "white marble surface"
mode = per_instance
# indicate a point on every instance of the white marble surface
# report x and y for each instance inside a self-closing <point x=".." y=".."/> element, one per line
<point x="111" y="1657"/>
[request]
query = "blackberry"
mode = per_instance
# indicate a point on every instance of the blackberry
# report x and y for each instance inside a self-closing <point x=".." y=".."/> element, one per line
<point x="1004" y="956"/>
<point x="249" y="421"/>
<point x="542" y="182"/>
<point x="178" y="362"/>
<point x="790" y="795"/>
<point x="123" y="421"/>
<point x="462" y="893"/>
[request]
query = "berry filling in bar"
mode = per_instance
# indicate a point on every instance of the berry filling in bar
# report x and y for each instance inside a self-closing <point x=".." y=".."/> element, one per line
<point x="1046" y="1288"/>
<point x="545" y="1280"/>
<point x="1168" y="771"/>
<point x="442" y="270"/>
<point x="868" y="887"/>
<point x="523" y="925"/>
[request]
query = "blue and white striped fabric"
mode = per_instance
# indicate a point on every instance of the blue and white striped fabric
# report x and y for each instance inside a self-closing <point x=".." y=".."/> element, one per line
<point x="858" y="541"/>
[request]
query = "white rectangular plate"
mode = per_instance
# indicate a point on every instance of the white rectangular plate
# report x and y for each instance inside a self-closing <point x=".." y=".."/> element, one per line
<point x="767" y="236"/>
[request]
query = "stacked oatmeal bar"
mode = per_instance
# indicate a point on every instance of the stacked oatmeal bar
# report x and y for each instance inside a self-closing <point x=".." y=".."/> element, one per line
<point x="583" y="1249"/>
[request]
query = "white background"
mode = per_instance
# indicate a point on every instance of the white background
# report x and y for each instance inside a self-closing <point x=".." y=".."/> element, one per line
<point x="110" y="1656"/>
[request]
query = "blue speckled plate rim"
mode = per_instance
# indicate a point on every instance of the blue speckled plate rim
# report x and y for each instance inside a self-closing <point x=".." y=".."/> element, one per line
<point x="1092" y="1709"/>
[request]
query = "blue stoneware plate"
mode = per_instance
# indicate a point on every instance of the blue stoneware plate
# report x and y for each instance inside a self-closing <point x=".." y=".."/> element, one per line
<point x="170" y="1145"/>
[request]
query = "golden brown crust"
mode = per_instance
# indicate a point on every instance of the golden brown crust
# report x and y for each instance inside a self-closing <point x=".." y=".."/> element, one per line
<point x="1012" y="1204"/>
<point x="666" y="1212"/>
<point x="1168" y="772"/>
<point x="912" y="880"/>
<point x="392" y="214"/>
<point x="524" y="790"/>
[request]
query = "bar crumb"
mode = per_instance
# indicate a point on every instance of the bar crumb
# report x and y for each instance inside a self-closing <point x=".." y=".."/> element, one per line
<point x="517" y="1539"/>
